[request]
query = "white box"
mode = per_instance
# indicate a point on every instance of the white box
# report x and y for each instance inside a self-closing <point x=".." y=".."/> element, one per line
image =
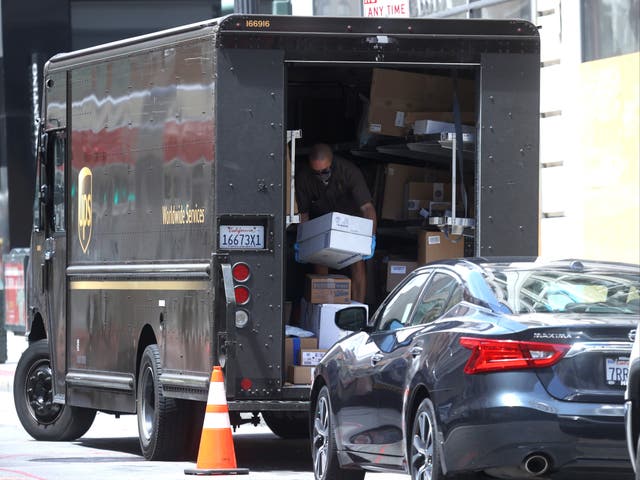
<point x="322" y="322"/>
<point x="335" y="221"/>
<point x="311" y="358"/>
<point x="335" y="249"/>
<point x="428" y="127"/>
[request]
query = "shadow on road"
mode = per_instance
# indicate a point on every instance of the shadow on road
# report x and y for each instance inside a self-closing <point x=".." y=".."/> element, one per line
<point x="129" y="445"/>
<point x="266" y="452"/>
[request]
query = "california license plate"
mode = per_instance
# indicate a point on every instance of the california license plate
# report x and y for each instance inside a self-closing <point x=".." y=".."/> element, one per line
<point x="241" y="237"/>
<point x="617" y="370"/>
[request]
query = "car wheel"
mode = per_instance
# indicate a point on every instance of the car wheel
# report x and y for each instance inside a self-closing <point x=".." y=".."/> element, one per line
<point x="33" y="397"/>
<point x="323" y="444"/>
<point x="425" y="457"/>
<point x="288" y="424"/>
<point x="161" y="421"/>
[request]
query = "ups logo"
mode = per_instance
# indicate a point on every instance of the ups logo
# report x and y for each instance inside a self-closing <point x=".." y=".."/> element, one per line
<point x="85" y="192"/>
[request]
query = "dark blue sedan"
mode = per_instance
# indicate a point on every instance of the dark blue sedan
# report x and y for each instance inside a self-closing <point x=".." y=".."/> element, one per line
<point x="514" y="368"/>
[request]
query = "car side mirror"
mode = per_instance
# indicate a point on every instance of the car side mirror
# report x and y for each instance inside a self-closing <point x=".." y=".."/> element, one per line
<point x="352" y="319"/>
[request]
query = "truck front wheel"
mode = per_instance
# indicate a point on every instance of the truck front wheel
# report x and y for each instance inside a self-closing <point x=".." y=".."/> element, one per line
<point x="33" y="397"/>
<point x="161" y="420"/>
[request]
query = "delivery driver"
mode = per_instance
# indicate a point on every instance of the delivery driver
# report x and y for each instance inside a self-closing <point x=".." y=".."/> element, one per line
<point x="333" y="184"/>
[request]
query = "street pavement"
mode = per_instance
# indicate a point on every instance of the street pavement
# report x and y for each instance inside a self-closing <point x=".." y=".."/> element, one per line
<point x="110" y="449"/>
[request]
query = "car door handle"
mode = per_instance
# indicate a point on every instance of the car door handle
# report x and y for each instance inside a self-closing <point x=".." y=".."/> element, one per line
<point x="416" y="351"/>
<point x="376" y="358"/>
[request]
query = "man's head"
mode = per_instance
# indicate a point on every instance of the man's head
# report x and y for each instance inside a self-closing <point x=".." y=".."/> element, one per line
<point x="320" y="160"/>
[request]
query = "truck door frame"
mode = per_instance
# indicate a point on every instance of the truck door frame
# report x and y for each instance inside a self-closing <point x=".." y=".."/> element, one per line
<point x="54" y="255"/>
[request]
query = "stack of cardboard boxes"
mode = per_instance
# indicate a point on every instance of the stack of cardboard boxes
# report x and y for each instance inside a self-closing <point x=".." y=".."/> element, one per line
<point x="325" y="295"/>
<point x="402" y="103"/>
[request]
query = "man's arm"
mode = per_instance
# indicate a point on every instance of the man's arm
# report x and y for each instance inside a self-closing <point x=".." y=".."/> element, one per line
<point x="369" y="211"/>
<point x="304" y="217"/>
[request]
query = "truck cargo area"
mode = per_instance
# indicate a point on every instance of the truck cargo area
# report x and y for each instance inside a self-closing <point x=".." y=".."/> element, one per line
<point x="367" y="115"/>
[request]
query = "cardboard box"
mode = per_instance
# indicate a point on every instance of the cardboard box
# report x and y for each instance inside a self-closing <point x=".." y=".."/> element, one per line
<point x="397" y="176"/>
<point x="321" y="320"/>
<point x="299" y="375"/>
<point x="327" y="289"/>
<point x="434" y="246"/>
<point x="311" y="357"/>
<point x="294" y="345"/>
<point x="339" y="222"/>
<point x="418" y="195"/>
<point x="397" y="270"/>
<point x="334" y="249"/>
<point x="394" y="91"/>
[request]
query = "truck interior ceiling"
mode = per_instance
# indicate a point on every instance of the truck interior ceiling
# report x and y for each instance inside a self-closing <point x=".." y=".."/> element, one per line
<point x="396" y="124"/>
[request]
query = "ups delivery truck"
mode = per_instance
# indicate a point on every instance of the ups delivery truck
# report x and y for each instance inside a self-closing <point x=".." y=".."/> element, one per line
<point x="164" y="226"/>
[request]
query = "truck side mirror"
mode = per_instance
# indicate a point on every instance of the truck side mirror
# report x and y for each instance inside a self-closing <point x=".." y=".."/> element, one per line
<point x="352" y="319"/>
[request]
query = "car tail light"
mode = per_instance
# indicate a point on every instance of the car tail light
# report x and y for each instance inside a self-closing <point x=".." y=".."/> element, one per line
<point x="241" y="272"/>
<point x="242" y="295"/>
<point x="500" y="355"/>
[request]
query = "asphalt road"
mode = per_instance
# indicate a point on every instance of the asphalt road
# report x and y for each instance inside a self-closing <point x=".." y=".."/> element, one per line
<point x="110" y="450"/>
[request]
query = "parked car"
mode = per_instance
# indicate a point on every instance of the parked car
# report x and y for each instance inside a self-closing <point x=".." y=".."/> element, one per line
<point x="514" y="368"/>
<point x="632" y="406"/>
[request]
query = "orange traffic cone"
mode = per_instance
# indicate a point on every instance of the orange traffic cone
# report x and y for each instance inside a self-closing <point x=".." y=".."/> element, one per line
<point x="216" y="455"/>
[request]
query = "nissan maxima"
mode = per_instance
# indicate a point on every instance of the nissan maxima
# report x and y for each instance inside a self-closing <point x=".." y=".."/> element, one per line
<point x="512" y="368"/>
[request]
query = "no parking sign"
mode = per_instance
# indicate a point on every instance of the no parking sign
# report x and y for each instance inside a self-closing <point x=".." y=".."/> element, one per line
<point x="385" y="8"/>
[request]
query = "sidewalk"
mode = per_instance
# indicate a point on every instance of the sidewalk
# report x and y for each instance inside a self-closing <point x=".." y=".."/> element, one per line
<point x="16" y="344"/>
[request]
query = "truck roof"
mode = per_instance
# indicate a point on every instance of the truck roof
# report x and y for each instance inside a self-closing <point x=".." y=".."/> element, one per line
<point x="264" y="26"/>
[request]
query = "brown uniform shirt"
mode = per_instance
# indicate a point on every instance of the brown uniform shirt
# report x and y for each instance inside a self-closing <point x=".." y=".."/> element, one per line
<point x="345" y="192"/>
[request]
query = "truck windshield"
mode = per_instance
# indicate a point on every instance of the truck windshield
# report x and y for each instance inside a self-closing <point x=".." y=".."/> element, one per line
<point x="562" y="290"/>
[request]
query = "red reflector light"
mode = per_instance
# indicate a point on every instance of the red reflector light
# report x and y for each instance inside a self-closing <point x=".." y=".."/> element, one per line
<point x="500" y="355"/>
<point x="246" y="384"/>
<point x="242" y="295"/>
<point x="241" y="272"/>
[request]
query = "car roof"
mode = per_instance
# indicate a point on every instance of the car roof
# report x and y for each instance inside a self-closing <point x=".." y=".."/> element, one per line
<point x="462" y="265"/>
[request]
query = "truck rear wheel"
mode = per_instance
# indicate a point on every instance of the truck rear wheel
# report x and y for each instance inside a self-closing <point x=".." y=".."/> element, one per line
<point x="288" y="424"/>
<point x="33" y="398"/>
<point x="161" y="420"/>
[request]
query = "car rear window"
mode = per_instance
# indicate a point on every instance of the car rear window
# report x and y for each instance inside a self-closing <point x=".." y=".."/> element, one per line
<point x="555" y="290"/>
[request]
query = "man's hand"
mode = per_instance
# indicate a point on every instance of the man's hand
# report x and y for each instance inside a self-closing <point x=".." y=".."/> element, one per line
<point x="373" y="248"/>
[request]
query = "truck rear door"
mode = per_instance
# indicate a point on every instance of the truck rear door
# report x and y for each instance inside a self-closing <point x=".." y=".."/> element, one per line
<point x="250" y="205"/>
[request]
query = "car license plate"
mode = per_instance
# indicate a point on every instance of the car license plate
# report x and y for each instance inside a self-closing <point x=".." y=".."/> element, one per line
<point x="617" y="370"/>
<point x="241" y="237"/>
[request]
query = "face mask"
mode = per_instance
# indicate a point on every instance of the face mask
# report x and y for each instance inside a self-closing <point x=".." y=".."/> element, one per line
<point x="324" y="175"/>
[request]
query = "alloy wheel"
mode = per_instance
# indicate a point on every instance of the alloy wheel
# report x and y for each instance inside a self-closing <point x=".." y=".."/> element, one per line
<point x="321" y="437"/>
<point x="422" y="448"/>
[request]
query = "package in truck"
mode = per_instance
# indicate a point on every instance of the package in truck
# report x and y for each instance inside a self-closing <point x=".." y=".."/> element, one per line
<point x="327" y="288"/>
<point x="335" y="240"/>
<point x="434" y="246"/>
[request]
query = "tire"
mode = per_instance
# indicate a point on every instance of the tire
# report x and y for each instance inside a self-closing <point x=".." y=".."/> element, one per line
<point x="161" y="420"/>
<point x="424" y="460"/>
<point x="323" y="444"/>
<point x="33" y="398"/>
<point x="288" y="425"/>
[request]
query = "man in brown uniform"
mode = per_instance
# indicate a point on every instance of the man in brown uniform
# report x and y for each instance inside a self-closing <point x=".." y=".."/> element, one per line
<point x="333" y="184"/>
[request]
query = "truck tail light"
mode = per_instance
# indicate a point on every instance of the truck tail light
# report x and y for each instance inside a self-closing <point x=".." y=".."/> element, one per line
<point x="243" y="295"/>
<point x="241" y="272"/>
<point x="501" y="355"/>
